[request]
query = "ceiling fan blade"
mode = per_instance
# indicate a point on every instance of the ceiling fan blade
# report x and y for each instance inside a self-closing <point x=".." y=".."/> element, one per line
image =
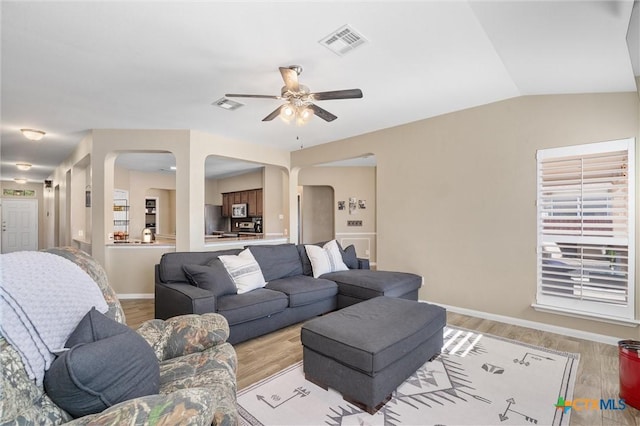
<point x="290" y="77"/>
<point x="337" y="94"/>
<point x="322" y="113"/>
<point x="236" y="95"/>
<point x="274" y="114"/>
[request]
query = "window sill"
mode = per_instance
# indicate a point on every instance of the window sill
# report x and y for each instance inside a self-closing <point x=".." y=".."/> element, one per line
<point x="584" y="315"/>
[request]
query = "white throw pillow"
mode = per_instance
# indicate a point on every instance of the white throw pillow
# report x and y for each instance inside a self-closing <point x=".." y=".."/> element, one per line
<point x="325" y="259"/>
<point x="244" y="271"/>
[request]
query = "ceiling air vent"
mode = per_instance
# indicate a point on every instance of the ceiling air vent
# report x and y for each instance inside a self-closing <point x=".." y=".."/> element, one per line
<point x="343" y="40"/>
<point x="227" y="104"/>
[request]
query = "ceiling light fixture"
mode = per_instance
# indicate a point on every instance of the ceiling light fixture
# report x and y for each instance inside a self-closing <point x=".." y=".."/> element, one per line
<point x="32" y="134"/>
<point x="301" y="113"/>
<point x="23" y="166"/>
<point x="21" y="181"/>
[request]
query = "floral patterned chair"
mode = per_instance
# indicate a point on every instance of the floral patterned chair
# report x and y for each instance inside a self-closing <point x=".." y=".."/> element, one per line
<point x="197" y="371"/>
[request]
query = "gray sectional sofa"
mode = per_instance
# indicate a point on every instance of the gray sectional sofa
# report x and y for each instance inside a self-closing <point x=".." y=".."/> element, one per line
<point x="197" y="282"/>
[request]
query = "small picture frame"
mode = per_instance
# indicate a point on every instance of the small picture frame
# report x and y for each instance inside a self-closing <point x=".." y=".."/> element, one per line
<point x="352" y="205"/>
<point x="341" y="205"/>
<point x="362" y="204"/>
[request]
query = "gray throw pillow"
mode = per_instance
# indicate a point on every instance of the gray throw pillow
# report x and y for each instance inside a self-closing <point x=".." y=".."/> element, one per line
<point x="107" y="363"/>
<point x="349" y="257"/>
<point x="213" y="277"/>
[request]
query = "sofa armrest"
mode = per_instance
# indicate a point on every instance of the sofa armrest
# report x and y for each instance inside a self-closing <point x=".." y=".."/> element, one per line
<point x="194" y="406"/>
<point x="181" y="298"/>
<point x="184" y="334"/>
<point x="363" y="263"/>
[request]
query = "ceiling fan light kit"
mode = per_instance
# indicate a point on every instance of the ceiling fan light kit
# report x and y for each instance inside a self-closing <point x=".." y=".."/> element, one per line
<point x="299" y="99"/>
<point x="32" y="134"/>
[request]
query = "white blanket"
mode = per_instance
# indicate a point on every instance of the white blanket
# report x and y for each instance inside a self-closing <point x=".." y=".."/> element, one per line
<point x="43" y="297"/>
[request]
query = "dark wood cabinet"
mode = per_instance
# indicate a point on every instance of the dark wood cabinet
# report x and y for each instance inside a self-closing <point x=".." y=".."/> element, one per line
<point x="252" y="197"/>
<point x="226" y="205"/>
<point x="252" y="201"/>
<point x="259" y="202"/>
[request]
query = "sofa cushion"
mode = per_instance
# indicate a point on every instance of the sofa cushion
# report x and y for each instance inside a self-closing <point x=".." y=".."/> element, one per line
<point x="327" y="258"/>
<point x="212" y="277"/>
<point x="367" y="284"/>
<point x="277" y="261"/>
<point x="303" y="290"/>
<point x="108" y="363"/>
<point x="259" y="303"/>
<point x="171" y="263"/>
<point x="244" y="271"/>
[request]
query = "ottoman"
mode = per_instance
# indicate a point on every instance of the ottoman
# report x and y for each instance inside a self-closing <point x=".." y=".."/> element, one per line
<point x="365" y="351"/>
<point x="357" y="285"/>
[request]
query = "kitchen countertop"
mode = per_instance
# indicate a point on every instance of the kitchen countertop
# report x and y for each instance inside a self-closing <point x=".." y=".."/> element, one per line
<point x="210" y="240"/>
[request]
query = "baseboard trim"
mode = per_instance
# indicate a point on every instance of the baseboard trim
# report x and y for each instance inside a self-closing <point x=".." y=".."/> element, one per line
<point x="126" y="296"/>
<point x="600" y="338"/>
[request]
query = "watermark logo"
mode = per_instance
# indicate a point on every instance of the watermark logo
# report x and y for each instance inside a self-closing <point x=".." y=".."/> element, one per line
<point x="588" y="404"/>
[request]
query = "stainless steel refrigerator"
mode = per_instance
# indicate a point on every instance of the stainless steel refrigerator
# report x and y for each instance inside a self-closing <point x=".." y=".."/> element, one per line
<point x="213" y="220"/>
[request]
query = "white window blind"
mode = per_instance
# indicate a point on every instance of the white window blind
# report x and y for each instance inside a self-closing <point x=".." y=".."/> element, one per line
<point x="586" y="214"/>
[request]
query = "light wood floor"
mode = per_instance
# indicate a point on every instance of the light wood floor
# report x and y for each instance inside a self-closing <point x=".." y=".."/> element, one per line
<point x="597" y="372"/>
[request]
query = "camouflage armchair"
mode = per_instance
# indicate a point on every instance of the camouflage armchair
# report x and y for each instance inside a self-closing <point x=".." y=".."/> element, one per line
<point x="197" y="372"/>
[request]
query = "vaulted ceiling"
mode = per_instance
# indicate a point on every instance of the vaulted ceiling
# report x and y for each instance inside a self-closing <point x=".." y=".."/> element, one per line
<point x="68" y="67"/>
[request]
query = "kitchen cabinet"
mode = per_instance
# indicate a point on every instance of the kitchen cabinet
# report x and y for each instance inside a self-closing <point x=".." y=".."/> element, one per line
<point x="259" y="202"/>
<point x="252" y="197"/>
<point x="252" y="201"/>
<point x="226" y="204"/>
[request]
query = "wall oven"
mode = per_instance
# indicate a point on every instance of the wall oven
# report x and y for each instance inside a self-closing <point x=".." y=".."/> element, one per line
<point x="238" y="210"/>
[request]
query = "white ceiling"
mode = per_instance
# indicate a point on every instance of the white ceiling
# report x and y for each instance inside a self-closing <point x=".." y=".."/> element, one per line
<point x="68" y="67"/>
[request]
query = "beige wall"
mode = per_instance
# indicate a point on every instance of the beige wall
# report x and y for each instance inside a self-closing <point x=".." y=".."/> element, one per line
<point x="317" y="213"/>
<point x="80" y="213"/>
<point x="212" y="194"/>
<point x="275" y="201"/>
<point x="469" y="180"/>
<point x="347" y="182"/>
<point x="243" y="182"/>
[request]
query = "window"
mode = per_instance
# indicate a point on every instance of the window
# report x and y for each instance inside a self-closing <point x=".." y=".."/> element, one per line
<point x="586" y="229"/>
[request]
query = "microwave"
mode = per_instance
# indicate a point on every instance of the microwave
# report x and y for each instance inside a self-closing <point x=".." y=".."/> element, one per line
<point x="238" y="210"/>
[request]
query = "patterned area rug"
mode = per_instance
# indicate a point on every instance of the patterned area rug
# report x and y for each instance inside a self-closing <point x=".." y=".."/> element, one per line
<point x="477" y="380"/>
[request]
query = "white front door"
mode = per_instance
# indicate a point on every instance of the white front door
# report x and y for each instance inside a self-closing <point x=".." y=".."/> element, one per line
<point x="19" y="225"/>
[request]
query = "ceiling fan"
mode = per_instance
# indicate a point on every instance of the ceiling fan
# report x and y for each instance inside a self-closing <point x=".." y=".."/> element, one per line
<point x="299" y="100"/>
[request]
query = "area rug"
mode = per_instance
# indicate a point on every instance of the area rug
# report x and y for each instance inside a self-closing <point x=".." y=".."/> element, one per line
<point x="477" y="380"/>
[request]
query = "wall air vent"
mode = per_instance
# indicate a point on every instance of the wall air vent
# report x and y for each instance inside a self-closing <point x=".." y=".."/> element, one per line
<point x="343" y="40"/>
<point x="227" y="104"/>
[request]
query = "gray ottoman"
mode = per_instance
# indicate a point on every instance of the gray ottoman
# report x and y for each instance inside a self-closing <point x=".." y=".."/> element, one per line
<point x="365" y="351"/>
<point x="357" y="285"/>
